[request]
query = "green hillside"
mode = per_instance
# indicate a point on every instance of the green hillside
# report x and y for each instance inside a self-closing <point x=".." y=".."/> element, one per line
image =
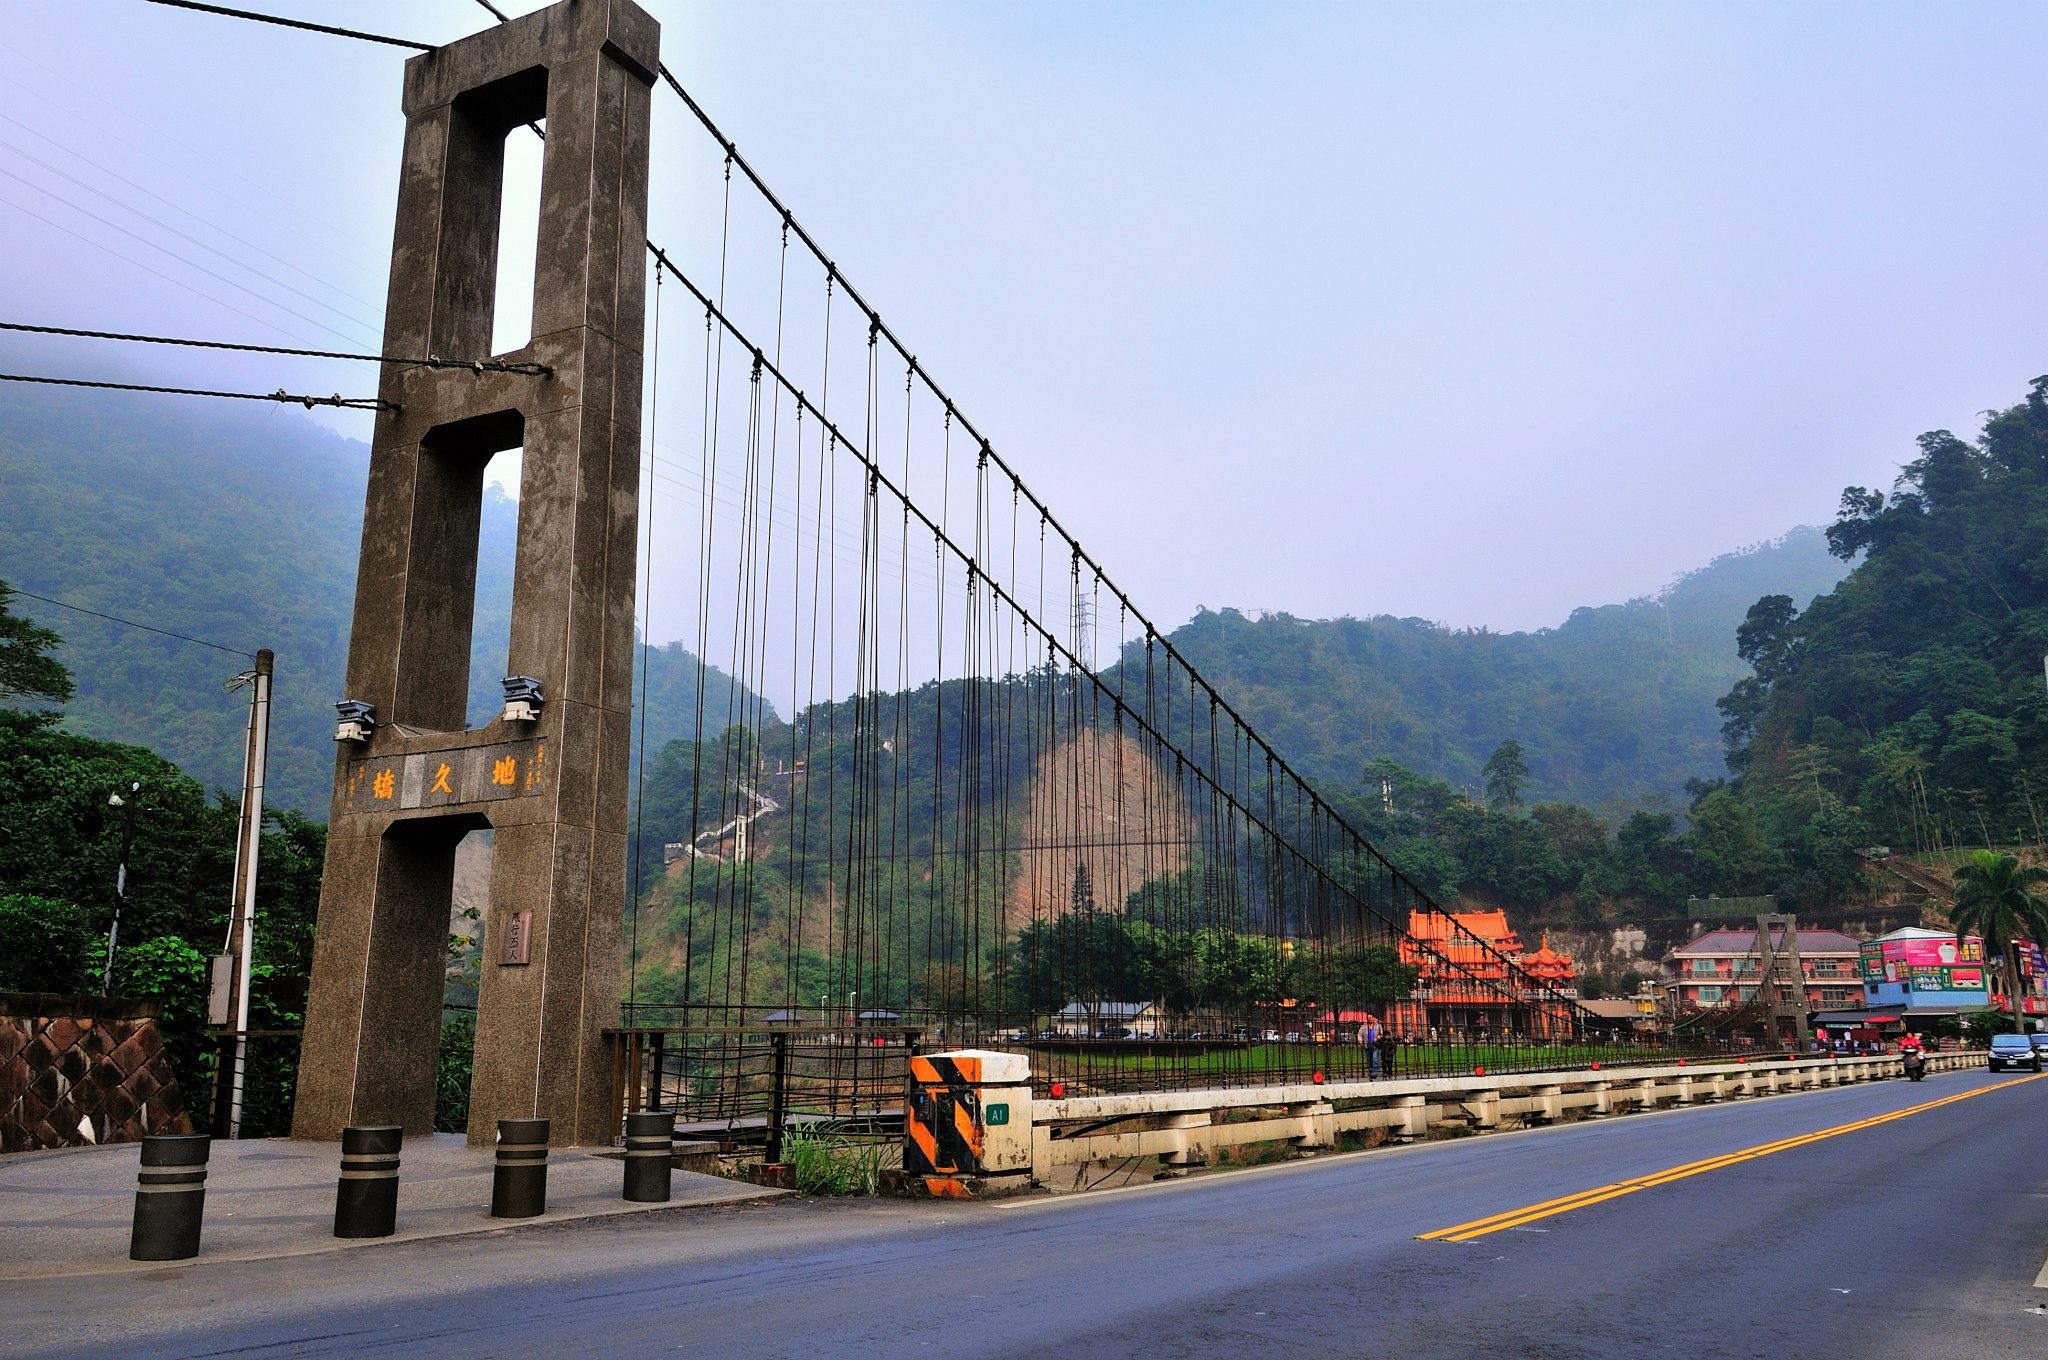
<point x="1613" y="706"/>
<point x="239" y="526"/>
<point x="1907" y="705"/>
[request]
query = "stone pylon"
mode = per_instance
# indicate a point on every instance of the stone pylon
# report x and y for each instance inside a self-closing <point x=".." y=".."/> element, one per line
<point x="550" y="779"/>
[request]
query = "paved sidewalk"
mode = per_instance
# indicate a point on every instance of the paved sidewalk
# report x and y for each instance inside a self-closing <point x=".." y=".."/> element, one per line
<point x="68" y="1212"/>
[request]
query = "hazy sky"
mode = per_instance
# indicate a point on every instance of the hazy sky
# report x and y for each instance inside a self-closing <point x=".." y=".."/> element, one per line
<point x="1475" y="312"/>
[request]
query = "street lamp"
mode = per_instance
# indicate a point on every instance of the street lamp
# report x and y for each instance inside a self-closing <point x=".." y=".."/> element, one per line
<point x="127" y="806"/>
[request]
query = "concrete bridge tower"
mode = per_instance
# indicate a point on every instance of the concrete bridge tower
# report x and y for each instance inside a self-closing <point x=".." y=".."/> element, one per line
<point x="549" y="777"/>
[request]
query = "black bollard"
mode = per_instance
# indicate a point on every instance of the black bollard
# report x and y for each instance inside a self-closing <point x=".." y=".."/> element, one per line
<point x="650" y="1149"/>
<point x="519" y="1185"/>
<point x="366" y="1196"/>
<point x="170" y="1197"/>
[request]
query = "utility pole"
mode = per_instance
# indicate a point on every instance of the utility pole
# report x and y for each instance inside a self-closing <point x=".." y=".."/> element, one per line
<point x="127" y="806"/>
<point x="242" y="914"/>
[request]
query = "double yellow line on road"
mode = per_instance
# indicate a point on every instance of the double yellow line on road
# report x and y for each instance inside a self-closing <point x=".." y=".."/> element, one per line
<point x="1599" y="1194"/>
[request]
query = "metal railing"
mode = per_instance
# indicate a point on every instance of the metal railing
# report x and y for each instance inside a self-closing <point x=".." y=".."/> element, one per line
<point x="746" y="1082"/>
<point x="738" y="1072"/>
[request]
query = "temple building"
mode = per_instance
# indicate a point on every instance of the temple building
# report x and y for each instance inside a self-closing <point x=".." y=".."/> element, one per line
<point x="1478" y="981"/>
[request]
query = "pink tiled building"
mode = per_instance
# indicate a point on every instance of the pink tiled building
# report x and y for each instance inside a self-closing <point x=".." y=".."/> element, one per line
<point x="1719" y="969"/>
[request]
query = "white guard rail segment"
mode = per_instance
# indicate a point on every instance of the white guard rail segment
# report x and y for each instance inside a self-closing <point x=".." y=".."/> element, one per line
<point x="1307" y="1114"/>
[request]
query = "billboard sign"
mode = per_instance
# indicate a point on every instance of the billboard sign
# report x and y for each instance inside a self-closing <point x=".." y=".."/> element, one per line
<point x="1948" y="979"/>
<point x="1905" y="960"/>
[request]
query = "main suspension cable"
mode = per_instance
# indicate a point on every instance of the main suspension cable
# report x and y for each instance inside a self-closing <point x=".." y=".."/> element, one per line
<point x="278" y="19"/>
<point x="1319" y="807"/>
<point x="879" y="328"/>
<point x="876" y="481"/>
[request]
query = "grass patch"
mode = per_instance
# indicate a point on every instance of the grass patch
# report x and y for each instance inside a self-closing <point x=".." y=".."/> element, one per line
<point x="826" y="1161"/>
<point x="1252" y="1154"/>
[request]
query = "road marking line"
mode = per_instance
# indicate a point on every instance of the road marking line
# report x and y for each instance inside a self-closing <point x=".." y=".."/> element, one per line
<point x="1575" y="1198"/>
<point x="1600" y="1194"/>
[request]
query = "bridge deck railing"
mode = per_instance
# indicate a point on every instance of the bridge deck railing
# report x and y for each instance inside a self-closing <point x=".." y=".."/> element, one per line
<point x="1187" y="1128"/>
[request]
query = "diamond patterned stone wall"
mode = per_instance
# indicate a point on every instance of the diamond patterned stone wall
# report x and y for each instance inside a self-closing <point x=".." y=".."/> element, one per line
<point x="76" y="1070"/>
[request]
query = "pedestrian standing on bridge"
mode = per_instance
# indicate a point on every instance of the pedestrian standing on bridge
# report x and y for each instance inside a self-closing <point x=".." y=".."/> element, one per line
<point x="1387" y="1047"/>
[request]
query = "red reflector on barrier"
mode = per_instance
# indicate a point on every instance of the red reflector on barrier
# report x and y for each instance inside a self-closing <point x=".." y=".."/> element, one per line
<point x="1480" y="1070"/>
<point x="1059" y="1090"/>
<point x="1596" y="1067"/>
<point x="1317" y="1079"/>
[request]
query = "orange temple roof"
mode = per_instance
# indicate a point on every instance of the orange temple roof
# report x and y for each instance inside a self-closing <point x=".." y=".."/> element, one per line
<point x="1472" y="944"/>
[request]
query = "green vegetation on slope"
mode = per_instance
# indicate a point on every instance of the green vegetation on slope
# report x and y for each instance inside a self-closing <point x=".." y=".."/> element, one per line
<point x="1613" y="706"/>
<point x="240" y="527"/>
<point x="1908" y="704"/>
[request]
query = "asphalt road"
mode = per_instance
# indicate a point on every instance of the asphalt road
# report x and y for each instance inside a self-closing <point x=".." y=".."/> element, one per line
<point x="1917" y="1237"/>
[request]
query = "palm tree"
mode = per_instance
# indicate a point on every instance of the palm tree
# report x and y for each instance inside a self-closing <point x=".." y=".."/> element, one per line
<point x="1995" y="900"/>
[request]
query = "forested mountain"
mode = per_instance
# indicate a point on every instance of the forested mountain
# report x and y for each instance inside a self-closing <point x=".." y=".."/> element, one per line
<point x="1908" y="704"/>
<point x="1905" y="703"/>
<point x="237" y="526"/>
<point x="242" y="526"/>
<point x="1613" y="706"/>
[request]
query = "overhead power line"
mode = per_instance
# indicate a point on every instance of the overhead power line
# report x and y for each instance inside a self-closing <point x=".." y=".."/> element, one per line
<point x="126" y="623"/>
<point x="289" y="398"/>
<point x="431" y="361"/>
<point x="283" y="22"/>
<point x="174" y="281"/>
<point x="178" y="232"/>
<point x="158" y="246"/>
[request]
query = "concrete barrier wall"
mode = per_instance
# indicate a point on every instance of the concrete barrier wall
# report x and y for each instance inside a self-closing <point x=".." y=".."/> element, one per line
<point x="1185" y="1128"/>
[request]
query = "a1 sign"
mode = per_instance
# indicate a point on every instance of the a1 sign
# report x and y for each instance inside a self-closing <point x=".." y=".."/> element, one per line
<point x="998" y="1113"/>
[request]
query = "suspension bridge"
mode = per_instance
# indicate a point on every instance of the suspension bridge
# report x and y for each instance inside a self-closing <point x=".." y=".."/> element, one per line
<point x="945" y="783"/>
<point x="951" y="812"/>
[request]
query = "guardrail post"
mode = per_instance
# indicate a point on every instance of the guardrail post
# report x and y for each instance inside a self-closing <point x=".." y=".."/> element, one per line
<point x="1717" y="1084"/>
<point x="366" y="1195"/>
<point x="519" y="1181"/>
<point x="1683" y="1096"/>
<point x="1483" y="1106"/>
<point x="170" y="1197"/>
<point x="1603" y="1099"/>
<point x="1549" y="1105"/>
<point x="650" y="1151"/>
<point x="1646" y="1094"/>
